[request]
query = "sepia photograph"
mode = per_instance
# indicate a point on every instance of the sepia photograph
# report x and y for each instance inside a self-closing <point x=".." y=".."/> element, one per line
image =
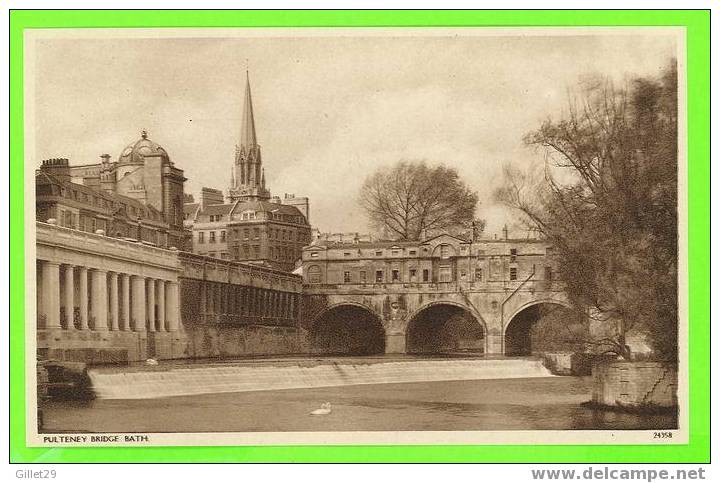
<point x="356" y="236"/>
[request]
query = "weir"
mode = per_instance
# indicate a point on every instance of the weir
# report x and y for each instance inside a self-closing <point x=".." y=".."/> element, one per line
<point x="157" y="382"/>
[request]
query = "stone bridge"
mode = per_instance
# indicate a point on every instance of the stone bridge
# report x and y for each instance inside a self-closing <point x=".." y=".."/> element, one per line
<point x="401" y="310"/>
<point x="410" y="297"/>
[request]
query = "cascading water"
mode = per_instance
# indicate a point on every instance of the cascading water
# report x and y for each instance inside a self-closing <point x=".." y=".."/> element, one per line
<point x="241" y="377"/>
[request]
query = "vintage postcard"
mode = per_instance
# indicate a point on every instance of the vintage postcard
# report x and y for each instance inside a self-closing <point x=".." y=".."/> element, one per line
<point x="356" y="236"/>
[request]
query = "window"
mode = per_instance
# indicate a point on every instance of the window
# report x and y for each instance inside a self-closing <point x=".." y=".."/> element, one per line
<point x="395" y="252"/>
<point x="246" y="234"/>
<point x="413" y="274"/>
<point x="272" y="253"/>
<point x="222" y="236"/>
<point x="363" y="276"/>
<point x="201" y="237"/>
<point x="346" y="254"/>
<point x="445" y="273"/>
<point x="314" y="254"/>
<point x="212" y="254"/>
<point x="513" y="254"/>
<point x="426" y="275"/>
<point x="413" y="252"/>
<point x="548" y="273"/>
<point x="513" y="273"/>
<point x="463" y="274"/>
<point x="314" y="274"/>
<point x="395" y="274"/>
<point x="379" y="276"/>
<point x="444" y="251"/>
<point x="256" y="251"/>
<point x="478" y="274"/>
<point x="346" y="277"/>
<point x="212" y="237"/>
<point x="378" y="254"/>
<point x="256" y="233"/>
<point x="223" y="255"/>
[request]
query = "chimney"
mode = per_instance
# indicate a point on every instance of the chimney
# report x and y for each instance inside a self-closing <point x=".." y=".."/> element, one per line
<point x="57" y="167"/>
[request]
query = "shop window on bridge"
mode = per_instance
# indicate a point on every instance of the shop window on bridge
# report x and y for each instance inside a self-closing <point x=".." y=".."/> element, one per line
<point x="445" y="273"/>
<point x="314" y="274"/>
<point x="426" y="275"/>
<point x="346" y="277"/>
<point x="396" y="275"/>
<point x="513" y="273"/>
<point x="379" y="276"/>
<point x="548" y="273"/>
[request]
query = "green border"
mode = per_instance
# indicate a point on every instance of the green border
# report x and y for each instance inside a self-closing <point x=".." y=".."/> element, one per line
<point x="697" y="23"/>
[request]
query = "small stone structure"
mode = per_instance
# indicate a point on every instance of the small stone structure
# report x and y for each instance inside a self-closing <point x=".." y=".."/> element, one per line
<point x="635" y="385"/>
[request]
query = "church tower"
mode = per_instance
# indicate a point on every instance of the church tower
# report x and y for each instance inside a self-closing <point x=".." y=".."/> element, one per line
<point x="248" y="174"/>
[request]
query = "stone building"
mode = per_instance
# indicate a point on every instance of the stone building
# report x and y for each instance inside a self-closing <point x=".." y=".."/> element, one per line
<point x="142" y="189"/>
<point x="86" y="208"/>
<point x="252" y="225"/>
<point x="453" y="260"/>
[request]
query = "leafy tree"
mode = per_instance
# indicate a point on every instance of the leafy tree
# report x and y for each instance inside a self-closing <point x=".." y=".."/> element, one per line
<point x="608" y="203"/>
<point x="411" y="200"/>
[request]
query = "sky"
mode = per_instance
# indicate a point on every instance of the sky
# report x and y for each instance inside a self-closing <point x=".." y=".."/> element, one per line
<point x="329" y="111"/>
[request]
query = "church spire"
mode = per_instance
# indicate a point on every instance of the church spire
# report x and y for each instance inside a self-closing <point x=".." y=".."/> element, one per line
<point x="247" y="179"/>
<point x="247" y="133"/>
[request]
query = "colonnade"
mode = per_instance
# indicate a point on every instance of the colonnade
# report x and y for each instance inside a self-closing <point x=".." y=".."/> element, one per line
<point x="73" y="297"/>
<point x="245" y="301"/>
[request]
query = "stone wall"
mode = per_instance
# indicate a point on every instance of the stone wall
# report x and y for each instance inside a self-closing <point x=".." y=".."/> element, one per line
<point x="635" y="384"/>
<point x="206" y="341"/>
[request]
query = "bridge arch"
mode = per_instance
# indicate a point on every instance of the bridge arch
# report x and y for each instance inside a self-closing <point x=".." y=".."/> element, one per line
<point x="530" y="327"/>
<point x="445" y="327"/>
<point x="347" y="328"/>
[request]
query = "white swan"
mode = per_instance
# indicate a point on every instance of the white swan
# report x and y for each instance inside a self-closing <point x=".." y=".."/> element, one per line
<point x="325" y="408"/>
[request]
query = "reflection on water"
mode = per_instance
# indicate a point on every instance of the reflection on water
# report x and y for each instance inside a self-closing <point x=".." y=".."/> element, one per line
<point x="553" y="403"/>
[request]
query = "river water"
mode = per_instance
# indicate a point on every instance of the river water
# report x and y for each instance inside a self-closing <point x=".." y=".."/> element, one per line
<point x="544" y="403"/>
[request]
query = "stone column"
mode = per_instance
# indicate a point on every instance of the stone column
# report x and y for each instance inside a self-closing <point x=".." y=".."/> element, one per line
<point x="69" y="297"/>
<point x="51" y="294"/>
<point x="83" y="302"/>
<point x="210" y="298"/>
<point x="173" y="306"/>
<point x="138" y="303"/>
<point x="161" y="305"/>
<point x="151" y="304"/>
<point x="114" y="315"/>
<point x="125" y="290"/>
<point x="99" y="299"/>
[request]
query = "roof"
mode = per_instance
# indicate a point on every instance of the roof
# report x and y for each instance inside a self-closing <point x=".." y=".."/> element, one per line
<point x="111" y="197"/>
<point x="136" y="152"/>
<point x="190" y="208"/>
<point x="266" y="207"/>
<point x="219" y="209"/>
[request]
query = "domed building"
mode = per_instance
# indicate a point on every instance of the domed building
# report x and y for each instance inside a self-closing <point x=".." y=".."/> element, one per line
<point x="143" y="173"/>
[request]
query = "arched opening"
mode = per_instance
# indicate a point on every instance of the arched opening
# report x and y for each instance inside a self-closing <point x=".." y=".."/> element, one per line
<point x="544" y="327"/>
<point x="445" y="329"/>
<point x="347" y="330"/>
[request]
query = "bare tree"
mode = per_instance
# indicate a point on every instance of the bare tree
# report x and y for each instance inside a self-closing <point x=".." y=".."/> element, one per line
<point x="608" y="203"/>
<point x="410" y="200"/>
